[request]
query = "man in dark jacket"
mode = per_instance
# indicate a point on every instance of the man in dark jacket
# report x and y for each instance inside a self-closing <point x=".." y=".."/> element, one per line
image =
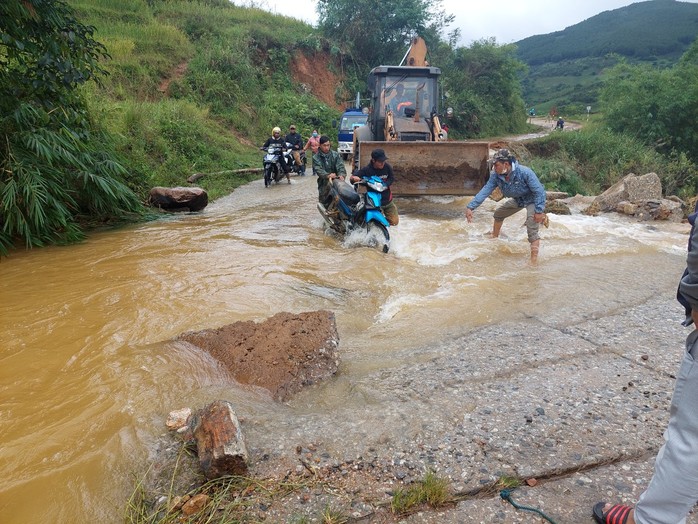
<point x="380" y="168"/>
<point x="296" y="141"/>
<point x="328" y="165"/>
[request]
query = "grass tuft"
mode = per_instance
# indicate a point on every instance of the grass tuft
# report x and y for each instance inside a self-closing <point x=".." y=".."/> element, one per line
<point x="432" y="490"/>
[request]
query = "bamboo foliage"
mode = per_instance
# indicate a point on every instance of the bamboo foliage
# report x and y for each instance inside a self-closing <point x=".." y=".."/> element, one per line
<point x="56" y="170"/>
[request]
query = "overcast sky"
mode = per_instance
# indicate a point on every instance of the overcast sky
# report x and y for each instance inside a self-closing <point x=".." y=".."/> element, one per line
<point x="506" y="20"/>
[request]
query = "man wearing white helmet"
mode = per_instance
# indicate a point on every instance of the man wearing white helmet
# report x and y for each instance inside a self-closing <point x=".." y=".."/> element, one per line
<point x="277" y="139"/>
<point x="523" y="189"/>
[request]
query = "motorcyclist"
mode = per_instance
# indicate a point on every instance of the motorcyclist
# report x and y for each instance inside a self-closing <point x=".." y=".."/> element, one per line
<point x="296" y="140"/>
<point x="276" y="140"/>
<point x="380" y="168"/>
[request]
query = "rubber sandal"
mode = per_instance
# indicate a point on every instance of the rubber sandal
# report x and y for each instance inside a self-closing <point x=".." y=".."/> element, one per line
<point x="617" y="514"/>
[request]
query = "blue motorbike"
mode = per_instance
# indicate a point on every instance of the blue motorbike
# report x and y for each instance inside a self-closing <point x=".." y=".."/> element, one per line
<point x="358" y="207"/>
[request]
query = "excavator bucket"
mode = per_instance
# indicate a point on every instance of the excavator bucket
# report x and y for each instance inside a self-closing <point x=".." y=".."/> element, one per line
<point x="433" y="168"/>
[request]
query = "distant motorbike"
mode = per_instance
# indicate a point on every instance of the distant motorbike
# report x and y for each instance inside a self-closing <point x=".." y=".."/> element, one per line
<point x="358" y="207"/>
<point x="273" y="172"/>
<point x="291" y="162"/>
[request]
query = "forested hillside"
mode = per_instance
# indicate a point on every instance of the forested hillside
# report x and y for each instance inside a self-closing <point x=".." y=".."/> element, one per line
<point x="653" y="31"/>
<point x="566" y="67"/>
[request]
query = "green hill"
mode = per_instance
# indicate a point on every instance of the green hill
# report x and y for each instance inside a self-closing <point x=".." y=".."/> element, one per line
<point x="196" y="86"/>
<point x="566" y="67"/>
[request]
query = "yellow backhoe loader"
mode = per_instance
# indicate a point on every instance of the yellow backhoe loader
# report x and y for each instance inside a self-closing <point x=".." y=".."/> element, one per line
<point x="404" y="121"/>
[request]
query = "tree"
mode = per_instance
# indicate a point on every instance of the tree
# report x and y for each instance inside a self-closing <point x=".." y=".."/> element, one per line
<point x="659" y="107"/>
<point x="483" y="85"/>
<point x="379" y="33"/>
<point x="56" y="168"/>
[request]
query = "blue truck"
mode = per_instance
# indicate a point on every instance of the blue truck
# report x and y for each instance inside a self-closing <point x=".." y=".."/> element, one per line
<point x="352" y="118"/>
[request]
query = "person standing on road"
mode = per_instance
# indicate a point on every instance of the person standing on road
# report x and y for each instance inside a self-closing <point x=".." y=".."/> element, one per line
<point x="327" y="165"/>
<point x="523" y="189"/>
<point x="296" y="140"/>
<point x="380" y="168"/>
<point x="313" y="143"/>
<point x="673" y="489"/>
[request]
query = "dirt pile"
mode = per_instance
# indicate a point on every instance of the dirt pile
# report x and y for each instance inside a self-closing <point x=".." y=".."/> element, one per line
<point x="281" y="354"/>
<point x="315" y="72"/>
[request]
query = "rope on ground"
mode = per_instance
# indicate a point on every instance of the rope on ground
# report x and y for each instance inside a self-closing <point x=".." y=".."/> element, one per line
<point x="506" y="495"/>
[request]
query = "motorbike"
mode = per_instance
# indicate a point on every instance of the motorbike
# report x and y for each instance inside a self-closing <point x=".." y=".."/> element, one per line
<point x="358" y="208"/>
<point x="291" y="162"/>
<point x="273" y="172"/>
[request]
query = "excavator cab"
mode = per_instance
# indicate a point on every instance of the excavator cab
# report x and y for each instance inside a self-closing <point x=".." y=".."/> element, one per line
<point x="407" y="94"/>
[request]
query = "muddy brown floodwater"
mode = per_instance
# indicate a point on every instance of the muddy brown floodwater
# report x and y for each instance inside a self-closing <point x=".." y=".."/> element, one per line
<point x="89" y="372"/>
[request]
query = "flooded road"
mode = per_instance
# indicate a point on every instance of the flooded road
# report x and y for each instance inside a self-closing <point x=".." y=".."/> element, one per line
<point x="89" y="371"/>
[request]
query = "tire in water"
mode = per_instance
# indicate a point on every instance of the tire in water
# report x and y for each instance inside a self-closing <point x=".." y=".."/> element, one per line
<point x="379" y="236"/>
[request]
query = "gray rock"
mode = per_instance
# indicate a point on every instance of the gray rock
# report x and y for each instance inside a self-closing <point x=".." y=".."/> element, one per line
<point x="178" y="198"/>
<point x="631" y="188"/>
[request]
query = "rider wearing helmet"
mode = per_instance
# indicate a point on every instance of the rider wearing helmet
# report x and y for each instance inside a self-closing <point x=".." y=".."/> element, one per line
<point x="277" y="139"/>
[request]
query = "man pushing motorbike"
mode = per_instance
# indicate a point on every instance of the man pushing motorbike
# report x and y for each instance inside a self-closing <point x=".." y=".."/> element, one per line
<point x="380" y="168"/>
<point x="327" y="165"/>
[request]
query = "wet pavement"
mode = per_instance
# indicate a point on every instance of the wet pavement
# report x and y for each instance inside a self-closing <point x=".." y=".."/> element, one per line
<point x="584" y="422"/>
<point x="575" y="409"/>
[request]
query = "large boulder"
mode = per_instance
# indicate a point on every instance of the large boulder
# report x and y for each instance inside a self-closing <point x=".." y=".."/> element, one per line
<point x="178" y="198"/>
<point x="631" y="188"/>
<point x="556" y="195"/>
<point x="663" y="209"/>
<point x="282" y="354"/>
<point x="557" y="207"/>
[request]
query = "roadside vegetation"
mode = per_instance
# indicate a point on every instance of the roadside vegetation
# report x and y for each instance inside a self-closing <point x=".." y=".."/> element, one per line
<point x="589" y="161"/>
<point x="647" y="126"/>
<point x="57" y="165"/>
<point x="432" y="490"/>
<point x="237" y="499"/>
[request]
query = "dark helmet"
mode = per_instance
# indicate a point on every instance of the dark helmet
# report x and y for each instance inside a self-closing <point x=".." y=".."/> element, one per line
<point x="503" y="155"/>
